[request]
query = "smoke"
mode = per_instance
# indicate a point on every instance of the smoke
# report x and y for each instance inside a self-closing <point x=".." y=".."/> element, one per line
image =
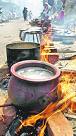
<point x="36" y="6"/>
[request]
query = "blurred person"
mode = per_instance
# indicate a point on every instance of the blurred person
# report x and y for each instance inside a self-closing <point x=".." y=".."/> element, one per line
<point x="48" y="10"/>
<point x="30" y="15"/>
<point x="25" y="13"/>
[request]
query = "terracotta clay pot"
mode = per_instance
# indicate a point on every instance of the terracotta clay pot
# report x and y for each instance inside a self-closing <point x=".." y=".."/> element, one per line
<point x="33" y="95"/>
<point x="53" y="58"/>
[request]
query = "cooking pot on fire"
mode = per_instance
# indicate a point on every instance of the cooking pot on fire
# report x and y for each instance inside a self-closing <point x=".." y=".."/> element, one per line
<point x="33" y="84"/>
<point x="19" y="51"/>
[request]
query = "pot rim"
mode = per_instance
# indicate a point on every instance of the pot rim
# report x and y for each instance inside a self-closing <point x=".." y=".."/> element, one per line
<point x="16" y="65"/>
<point x="12" y="45"/>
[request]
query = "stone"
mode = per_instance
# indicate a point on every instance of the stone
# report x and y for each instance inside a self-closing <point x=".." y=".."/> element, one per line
<point x="7" y="114"/>
<point x="4" y="71"/>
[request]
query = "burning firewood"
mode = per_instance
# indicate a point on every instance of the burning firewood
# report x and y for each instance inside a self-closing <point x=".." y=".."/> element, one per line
<point x="50" y="111"/>
<point x="67" y="85"/>
<point x="58" y="125"/>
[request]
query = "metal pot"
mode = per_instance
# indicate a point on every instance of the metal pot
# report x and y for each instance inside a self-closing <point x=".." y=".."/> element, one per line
<point x="30" y="93"/>
<point x="22" y="51"/>
<point x="67" y="39"/>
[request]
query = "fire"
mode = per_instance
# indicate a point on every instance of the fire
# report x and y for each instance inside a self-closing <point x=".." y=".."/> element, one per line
<point x="73" y="105"/>
<point x="68" y="85"/>
<point x="66" y="93"/>
<point x="44" y="48"/>
<point x="49" y="111"/>
<point x="47" y="50"/>
<point x="42" y="130"/>
<point x="67" y="99"/>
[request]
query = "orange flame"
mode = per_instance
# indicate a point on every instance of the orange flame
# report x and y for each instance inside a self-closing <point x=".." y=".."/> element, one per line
<point x="42" y="131"/>
<point x="67" y="85"/>
<point x="66" y="91"/>
<point x="47" y="51"/>
<point x="49" y="111"/>
<point x="44" y="48"/>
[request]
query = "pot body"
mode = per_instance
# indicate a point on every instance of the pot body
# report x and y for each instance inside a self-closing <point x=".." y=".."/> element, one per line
<point x="53" y="58"/>
<point x="68" y="39"/>
<point x="22" y="51"/>
<point x="33" y="96"/>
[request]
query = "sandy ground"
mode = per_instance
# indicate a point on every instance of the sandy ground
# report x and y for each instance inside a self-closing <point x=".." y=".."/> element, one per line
<point x="9" y="32"/>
